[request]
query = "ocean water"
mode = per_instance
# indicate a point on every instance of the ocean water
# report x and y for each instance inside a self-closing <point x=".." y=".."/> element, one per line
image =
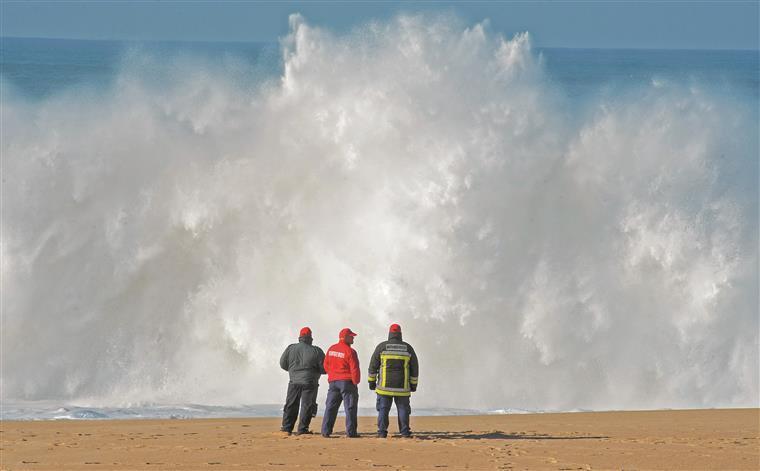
<point x="52" y="410"/>
<point x="40" y="68"/>
<point x="555" y="229"/>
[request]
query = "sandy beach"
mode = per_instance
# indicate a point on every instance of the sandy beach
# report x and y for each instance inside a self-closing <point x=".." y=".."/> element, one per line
<point x="690" y="439"/>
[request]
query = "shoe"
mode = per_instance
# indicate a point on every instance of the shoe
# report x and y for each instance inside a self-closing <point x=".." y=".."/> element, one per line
<point x="325" y="435"/>
<point x="353" y="436"/>
<point x="382" y="435"/>
<point x="286" y="432"/>
<point x="408" y="435"/>
<point x="305" y="432"/>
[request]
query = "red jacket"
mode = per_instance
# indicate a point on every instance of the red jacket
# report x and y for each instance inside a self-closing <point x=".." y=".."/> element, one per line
<point x="342" y="363"/>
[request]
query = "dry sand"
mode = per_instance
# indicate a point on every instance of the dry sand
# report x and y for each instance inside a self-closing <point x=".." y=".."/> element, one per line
<point x="694" y="439"/>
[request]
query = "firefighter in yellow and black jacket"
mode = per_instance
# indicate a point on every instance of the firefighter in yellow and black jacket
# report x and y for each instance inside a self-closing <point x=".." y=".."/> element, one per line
<point x="393" y="372"/>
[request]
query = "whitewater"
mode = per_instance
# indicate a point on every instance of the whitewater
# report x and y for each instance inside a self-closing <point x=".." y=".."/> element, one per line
<point x="164" y="239"/>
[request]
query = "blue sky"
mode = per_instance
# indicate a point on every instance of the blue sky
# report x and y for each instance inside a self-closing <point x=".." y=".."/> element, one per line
<point x="613" y="24"/>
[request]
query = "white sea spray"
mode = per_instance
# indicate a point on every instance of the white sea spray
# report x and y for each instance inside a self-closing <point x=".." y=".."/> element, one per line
<point x="164" y="242"/>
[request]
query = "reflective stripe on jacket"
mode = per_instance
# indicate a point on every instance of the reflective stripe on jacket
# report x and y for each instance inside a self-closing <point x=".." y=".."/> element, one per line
<point x="394" y="367"/>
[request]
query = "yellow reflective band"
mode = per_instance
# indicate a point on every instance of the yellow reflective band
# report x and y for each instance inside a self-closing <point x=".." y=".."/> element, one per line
<point x="383" y="371"/>
<point x="395" y="357"/>
<point x="392" y="393"/>
<point x="406" y="373"/>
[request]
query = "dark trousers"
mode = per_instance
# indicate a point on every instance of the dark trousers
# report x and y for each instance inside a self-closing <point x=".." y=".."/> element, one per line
<point x="348" y="393"/>
<point x="306" y="395"/>
<point x="403" y="408"/>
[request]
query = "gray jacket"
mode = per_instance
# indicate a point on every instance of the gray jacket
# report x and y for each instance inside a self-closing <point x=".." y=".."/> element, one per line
<point x="304" y="362"/>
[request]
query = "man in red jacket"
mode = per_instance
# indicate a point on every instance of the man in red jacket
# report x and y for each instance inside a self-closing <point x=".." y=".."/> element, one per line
<point x="342" y="367"/>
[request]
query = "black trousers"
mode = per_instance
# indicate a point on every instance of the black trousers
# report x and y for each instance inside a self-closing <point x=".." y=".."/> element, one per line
<point x="306" y="396"/>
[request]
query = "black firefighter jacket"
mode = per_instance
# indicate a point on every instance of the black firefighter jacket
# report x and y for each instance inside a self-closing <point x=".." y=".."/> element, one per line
<point x="394" y="367"/>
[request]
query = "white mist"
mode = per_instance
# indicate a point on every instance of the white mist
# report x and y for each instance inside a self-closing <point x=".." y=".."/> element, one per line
<point x="165" y="241"/>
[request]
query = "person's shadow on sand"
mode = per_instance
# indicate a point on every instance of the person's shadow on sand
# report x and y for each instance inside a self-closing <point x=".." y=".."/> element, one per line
<point x="496" y="435"/>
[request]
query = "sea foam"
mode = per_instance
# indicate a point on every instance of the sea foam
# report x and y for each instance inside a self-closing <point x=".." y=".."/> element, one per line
<point x="165" y="239"/>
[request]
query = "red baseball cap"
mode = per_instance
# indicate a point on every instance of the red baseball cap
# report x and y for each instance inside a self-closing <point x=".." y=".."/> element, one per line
<point x="305" y="332"/>
<point x="346" y="332"/>
<point x="395" y="328"/>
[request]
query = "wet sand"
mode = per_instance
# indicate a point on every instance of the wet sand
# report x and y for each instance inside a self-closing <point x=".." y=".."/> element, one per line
<point x="693" y="439"/>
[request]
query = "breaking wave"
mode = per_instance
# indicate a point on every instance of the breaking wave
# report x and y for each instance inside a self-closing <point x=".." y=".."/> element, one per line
<point x="164" y="240"/>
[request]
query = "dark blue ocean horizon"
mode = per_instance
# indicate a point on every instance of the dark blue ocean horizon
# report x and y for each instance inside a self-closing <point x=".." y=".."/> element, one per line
<point x="40" y="67"/>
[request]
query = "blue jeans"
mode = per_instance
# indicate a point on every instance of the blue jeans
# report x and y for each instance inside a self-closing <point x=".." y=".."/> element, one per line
<point x="348" y="393"/>
<point x="403" y="408"/>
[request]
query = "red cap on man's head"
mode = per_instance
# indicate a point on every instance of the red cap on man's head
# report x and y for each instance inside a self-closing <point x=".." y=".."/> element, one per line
<point x="346" y="332"/>
<point x="305" y="332"/>
<point x="395" y="328"/>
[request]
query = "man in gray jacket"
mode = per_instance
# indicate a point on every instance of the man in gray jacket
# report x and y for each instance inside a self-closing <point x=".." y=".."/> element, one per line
<point x="305" y="363"/>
